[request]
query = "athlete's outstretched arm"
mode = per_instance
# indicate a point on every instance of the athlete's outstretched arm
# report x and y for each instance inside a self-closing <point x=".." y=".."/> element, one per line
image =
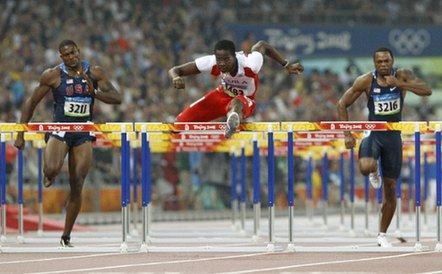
<point x="266" y="49"/>
<point x="407" y="80"/>
<point x="106" y="92"/>
<point x="177" y="72"/>
<point x="359" y="86"/>
<point x="44" y="86"/>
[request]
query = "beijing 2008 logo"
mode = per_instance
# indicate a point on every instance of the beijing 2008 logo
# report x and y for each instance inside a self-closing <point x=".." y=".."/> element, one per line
<point x="409" y="41"/>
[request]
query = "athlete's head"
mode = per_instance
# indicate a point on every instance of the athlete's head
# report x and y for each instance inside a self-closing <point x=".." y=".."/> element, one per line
<point x="383" y="61"/>
<point x="69" y="53"/>
<point x="225" y="55"/>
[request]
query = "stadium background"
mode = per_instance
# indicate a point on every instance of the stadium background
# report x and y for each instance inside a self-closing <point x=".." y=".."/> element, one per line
<point x="136" y="42"/>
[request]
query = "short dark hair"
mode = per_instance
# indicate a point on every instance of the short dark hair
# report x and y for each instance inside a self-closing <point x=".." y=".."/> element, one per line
<point x="225" y="45"/>
<point x="383" y="49"/>
<point x="66" y="42"/>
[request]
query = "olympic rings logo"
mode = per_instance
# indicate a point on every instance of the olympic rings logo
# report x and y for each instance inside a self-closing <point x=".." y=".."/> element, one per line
<point x="409" y="41"/>
<point x="370" y="126"/>
<point x="78" y="128"/>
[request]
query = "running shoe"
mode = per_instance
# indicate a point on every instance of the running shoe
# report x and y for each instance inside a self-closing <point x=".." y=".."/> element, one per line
<point x="382" y="241"/>
<point x="375" y="180"/>
<point x="232" y="124"/>
<point x="46" y="182"/>
<point x="65" y="241"/>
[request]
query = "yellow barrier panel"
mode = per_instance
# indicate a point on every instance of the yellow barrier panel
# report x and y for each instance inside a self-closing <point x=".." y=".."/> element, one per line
<point x="408" y="127"/>
<point x="11" y="127"/>
<point x="117" y="135"/>
<point x="30" y="136"/>
<point x="299" y="126"/>
<point x="115" y="127"/>
<point x="7" y="136"/>
<point x="432" y="125"/>
<point x="260" y="126"/>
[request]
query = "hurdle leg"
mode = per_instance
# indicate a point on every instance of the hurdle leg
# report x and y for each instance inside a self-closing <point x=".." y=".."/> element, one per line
<point x="3" y="185"/>
<point x="309" y="210"/>
<point x="398" y="233"/>
<point x="367" y="230"/>
<point x="124" y="182"/>
<point x="341" y="214"/>
<point x="243" y="189"/>
<point x="398" y="217"/>
<point x="410" y="210"/>
<point x="256" y="220"/>
<point x="439" y="244"/>
<point x="417" y="157"/>
<point x="20" y="236"/>
<point x="308" y="181"/>
<point x="325" y="174"/>
<point x="233" y="190"/>
<point x="40" y="188"/>
<point x="324" y="212"/>
<point x="342" y="189"/>
<point x="290" y="187"/>
<point x="438" y="186"/>
<point x="145" y="189"/>
<point x="366" y="205"/>
<point x="256" y="188"/>
<point x="270" y="186"/>
<point x="352" y="191"/>
<point x="135" y="214"/>
<point x="128" y="196"/>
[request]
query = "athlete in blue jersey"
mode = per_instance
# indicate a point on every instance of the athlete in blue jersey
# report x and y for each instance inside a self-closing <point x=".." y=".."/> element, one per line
<point x="74" y="84"/>
<point x="385" y="89"/>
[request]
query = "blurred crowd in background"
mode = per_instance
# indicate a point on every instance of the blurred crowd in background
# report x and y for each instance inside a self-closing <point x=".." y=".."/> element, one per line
<point x="137" y="42"/>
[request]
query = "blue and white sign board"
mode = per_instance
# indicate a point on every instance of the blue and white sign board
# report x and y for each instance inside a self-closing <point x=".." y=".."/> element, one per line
<point x="337" y="41"/>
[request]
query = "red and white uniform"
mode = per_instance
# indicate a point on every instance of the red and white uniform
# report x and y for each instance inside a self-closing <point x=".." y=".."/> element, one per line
<point x="216" y="102"/>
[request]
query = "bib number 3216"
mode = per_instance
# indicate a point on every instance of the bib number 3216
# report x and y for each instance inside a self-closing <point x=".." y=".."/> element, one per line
<point x="387" y="107"/>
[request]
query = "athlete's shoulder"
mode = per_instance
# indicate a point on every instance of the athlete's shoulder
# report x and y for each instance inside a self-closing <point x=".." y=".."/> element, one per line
<point x="363" y="81"/>
<point x="403" y="73"/>
<point x="206" y="62"/>
<point x="96" y="70"/>
<point x="365" y="77"/>
<point x="253" y="60"/>
<point x="50" y="74"/>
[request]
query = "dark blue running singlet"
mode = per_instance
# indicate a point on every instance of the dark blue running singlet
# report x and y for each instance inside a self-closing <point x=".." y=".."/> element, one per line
<point x="384" y="103"/>
<point x="72" y="101"/>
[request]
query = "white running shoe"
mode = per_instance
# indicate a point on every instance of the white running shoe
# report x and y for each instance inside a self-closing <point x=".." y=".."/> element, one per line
<point x="232" y="124"/>
<point x="382" y="241"/>
<point x="375" y="180"/>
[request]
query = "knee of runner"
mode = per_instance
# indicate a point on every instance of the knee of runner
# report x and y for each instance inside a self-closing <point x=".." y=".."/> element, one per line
<point x="50" y="171"/>
<point x="367" y="166"/>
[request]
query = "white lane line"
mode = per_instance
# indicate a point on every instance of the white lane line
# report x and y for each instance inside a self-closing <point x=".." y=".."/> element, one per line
<point x="432" y="272"/>
<point x="57" y="258"/>
<point x="154" y="263"/>
<point x="325" y="263"/>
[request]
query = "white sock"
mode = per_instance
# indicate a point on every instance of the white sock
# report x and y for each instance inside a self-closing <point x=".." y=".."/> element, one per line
<point x="382" y="234"/>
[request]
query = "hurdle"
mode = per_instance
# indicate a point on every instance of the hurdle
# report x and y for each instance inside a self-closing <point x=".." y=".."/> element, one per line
<point x="68" y="127"/>
<point x="378" y="126"/>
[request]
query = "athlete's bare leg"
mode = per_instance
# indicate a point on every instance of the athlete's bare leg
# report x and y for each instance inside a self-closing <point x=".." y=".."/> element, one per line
<point x="54" y="155"/>
<point x="389" y="204"/>
<point x="80" y="158"/>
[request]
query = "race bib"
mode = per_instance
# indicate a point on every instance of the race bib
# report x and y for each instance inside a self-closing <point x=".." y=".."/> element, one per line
<point x="387" y="104"/>
<point x="77" y="106"/>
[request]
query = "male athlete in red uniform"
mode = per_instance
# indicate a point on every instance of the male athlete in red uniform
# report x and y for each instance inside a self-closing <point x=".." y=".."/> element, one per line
<point x="235" y="96"/>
